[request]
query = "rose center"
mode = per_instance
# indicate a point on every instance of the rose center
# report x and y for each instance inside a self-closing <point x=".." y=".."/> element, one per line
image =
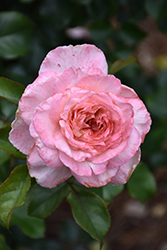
<point x="94" y="125"/>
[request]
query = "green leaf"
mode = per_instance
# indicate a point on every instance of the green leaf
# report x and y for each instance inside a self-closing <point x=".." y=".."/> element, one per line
<point x="44" y="201"/>
<point x="13" y="191"/>
<point x="122" y="63"/>
<point x="3" y="157"/>
<point x="15" y="34"/>
<point x="31" y="226"/>
<point x="3" y="245"/>
<point x="142" y="184"/>
<point x="10" y="90"/>
<point x="90" y="213"/>
<point x="4" y="165"/>
<point x="109" y="192"/>
<point x="6" y="146"/>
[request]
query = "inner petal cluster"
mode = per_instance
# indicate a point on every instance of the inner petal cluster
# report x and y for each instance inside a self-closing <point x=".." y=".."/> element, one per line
<point x="92" y="125"/>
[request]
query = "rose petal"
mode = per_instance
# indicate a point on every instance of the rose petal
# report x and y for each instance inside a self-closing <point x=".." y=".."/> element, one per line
<point x="142" y="120"/>
<point x="98" y="168"/>
<point x="99" y="83"/>
<point x="80" y="168"/>
<point x="97" y="180"/>
<point x="127" y="92"/>
<point x="67" y="80"/>
<point x="80" y="56"/>
<point x="129" y="151"/>
<point x="49" y="155"/>
<point x="62" y="144"/>
<point x="125" y="171"/>
<point x="35" y="93"/>
<point x="46" y="118"/>
<point x="44" y="175"/>
<point x="19" y="136"/>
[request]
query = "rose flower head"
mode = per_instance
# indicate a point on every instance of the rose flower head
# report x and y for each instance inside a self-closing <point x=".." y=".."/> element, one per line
<point x="76" y="120"/>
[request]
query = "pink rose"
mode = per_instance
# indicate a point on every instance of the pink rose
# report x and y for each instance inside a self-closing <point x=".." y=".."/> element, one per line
<point x="75" y="120"/>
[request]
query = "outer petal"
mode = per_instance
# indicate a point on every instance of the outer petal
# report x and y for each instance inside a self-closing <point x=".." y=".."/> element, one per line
<point x="46" y="118"/>
<point x="125" y="171"/>
<point x="80" y="56"/>
<point x="81" y="168"/>
<point x="129" y="151"/>
<point x="142" y="120"/>
<point x="67" y="80"/>
<point x="46" y="176"/>
<point x="19" y="136"/>
<point x="100" y="83"/>
<point x="35" y="93"/>
<point x="98" y="168"/>
<point x="49" y="155"/>
<point x="97" y="180"/>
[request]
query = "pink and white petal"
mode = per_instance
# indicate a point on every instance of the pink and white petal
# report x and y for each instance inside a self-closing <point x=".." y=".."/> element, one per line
<point x="80" y="168"/>
<point x="98" y="168"/>
<point x="46" y="118"/>
<point x="95" y="71"/>
<point x="81" y="56"/>
<point x="142" y="119"/>
<point x="20" y="136"/>
<point x="129" y="151"/>
<point x="44" y="175"/>
<point x="109" y="153"/>
<point x="67" y="80"/>
<point x="100" y="83"/>
<point x="97" y="180"/>
<point x="35" y="93"/>
<point x="125" y="171"/>
<point x="63" y="146"/>
<point x="49" y="155"/>
<point x="127" y="92"/>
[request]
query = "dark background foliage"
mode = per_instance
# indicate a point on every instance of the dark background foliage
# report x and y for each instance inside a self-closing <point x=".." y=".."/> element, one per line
<point x="29" y="29"/>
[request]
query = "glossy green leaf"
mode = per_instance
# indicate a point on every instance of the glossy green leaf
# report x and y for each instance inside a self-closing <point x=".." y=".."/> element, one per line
<point x="3" y="245"/>
<point x="13" y="191"/>
<point x="122" y="63"/>
<point x="10" y="90"/>
<point x="109" y="192"/>
<point x="6" y="146"/>
<point x="44" y="201"/>
<point x="142" y="184"/>
<point x="90" y="213"/>
<point x="15" y="33"/>
<point x="31" y="226"/>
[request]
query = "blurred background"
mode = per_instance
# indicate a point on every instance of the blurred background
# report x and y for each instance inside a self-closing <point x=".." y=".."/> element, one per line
<point x="29" y="29"/>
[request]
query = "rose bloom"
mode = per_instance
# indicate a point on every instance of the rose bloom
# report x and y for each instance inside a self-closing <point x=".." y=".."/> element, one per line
<point x="75" y="120"/>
